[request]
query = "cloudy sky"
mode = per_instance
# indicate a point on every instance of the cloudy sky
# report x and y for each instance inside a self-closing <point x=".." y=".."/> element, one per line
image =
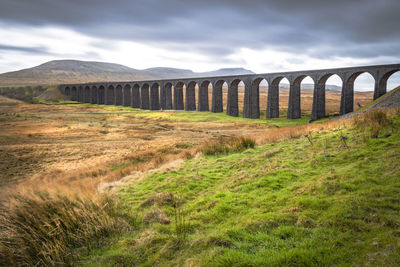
<point x="202" y="35"/>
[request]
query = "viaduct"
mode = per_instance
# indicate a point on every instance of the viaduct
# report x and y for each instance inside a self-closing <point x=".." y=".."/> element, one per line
<point x="168" y="94"/>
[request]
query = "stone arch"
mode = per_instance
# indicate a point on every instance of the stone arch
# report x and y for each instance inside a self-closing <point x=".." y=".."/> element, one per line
<point x="347" y="98"/>
<point x="217" y="104"/>
<point x="381" y="88"/>
<point x="166" y="96"/>
<point x="145" y="96"/>
<point x="110" y="95"/>
<point x="93" y="95"/>
<point x="135" y="96"/>
<point x="203" y="104"/>
<point x="126" y="95"/>
<point x="295" y="96"/>
<point x="87" y="94"/>
<point x="67" y="92"/>
<point x="74" y="94"/>
<point x="232" y="106"/>
<point x="190" y="96"/>
<point x="154" y="97"/>
<point x="319" y="96"/>
<point x="273" y="97"/>
<point x="118" y="95"/>
<point x="364" y="87"/>
<point x="259" y="87"/>
<point x="178" y="96"/>
<point x="81" y="94"/>
<point x="101" y="95"/>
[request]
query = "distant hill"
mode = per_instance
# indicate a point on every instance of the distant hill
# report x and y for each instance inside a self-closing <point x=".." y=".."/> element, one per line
<point x="74" y="71"/>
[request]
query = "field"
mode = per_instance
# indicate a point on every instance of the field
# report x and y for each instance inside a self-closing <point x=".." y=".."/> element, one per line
<point x="273" y="204"/>
<point x="331" y="201"/>
<point x="40" y="139"/>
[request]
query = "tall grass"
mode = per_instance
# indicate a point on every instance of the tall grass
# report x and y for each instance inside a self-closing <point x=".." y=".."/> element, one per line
<point x="42" y="228"/>
<point x="53" y="219"/>
<point x="374" y="122"/>
<point x="225" y="145"/>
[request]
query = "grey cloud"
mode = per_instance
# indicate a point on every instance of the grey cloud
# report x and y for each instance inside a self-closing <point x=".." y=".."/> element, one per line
<point x="358" y="28"/>
<point x="44" y="51"/>
<point x="26" y="49"/>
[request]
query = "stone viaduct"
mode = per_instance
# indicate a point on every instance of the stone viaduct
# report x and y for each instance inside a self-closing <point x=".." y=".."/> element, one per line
<point x="168" y="94"/>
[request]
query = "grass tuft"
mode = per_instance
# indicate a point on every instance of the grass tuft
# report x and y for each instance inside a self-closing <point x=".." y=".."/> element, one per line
<point x="42" y="228"/>
<point x="226" y="145"/>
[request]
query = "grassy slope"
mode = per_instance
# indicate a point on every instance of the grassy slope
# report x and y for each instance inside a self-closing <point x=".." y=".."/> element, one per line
<point x="287" y="203"/>
<point x="366" y="107"/>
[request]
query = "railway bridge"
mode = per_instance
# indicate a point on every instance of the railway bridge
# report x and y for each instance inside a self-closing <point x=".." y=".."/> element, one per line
<point x="168" y="94"/>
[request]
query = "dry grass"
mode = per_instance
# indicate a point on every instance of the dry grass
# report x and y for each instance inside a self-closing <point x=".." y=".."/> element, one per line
<point x="225" y="145"/>
<point x="374" y="121"/>
<point x="43" y="227"/>
<point x="280" y="134"/>
<point x="43" y="142"/>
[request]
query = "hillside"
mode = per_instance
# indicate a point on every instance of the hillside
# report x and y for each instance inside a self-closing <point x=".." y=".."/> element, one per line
<point x="74" y="71"/>
<point x="389" y="100"/>
<point x="325" y="202"/>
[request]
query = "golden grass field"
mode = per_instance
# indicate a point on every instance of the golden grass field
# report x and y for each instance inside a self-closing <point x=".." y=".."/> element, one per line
<point x="78" y="141"/>
<point x="74" y="140"/>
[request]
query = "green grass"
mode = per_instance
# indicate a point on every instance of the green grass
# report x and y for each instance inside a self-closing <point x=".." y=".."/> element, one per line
<point x="282" y="204"/>
<point x="183" y="116"/>
<point x="194" y="116"/>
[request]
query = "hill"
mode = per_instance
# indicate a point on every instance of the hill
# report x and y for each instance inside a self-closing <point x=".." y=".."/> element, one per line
<point x="74" y="71"/>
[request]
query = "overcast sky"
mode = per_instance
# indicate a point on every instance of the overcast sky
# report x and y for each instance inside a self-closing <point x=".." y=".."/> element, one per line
<point x="203" y="35"/>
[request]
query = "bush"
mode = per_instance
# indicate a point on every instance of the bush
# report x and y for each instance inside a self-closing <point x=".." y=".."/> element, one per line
<point x="40" y="228"/>
<point x="224" y="145"/>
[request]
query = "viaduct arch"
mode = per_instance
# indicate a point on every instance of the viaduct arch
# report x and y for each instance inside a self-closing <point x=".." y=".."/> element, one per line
<point x="168" y="94"/>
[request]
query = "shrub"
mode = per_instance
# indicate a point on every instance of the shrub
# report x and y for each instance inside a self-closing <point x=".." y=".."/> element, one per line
<point x="225" y="145"/>
<point x="43" y="229"/>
